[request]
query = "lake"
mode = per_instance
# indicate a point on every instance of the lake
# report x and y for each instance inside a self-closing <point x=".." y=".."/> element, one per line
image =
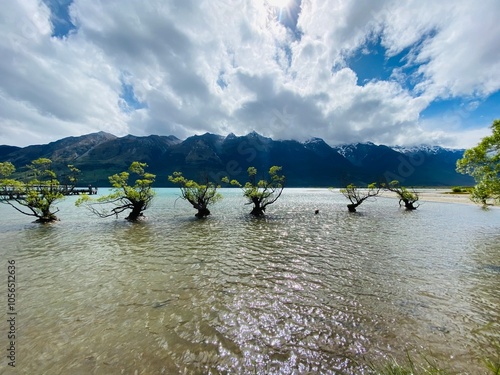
<point x="292" y="293"/>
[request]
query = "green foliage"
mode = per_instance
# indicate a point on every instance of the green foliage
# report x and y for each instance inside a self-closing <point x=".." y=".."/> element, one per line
<point x="36" y="196"/>
<point x="8" y="185"/>
<point x="394" y="368"/>
<point x="232" y="182"/>
<point x="493" y="365"/>
<point x="483" y="163"/>
<point x="43" y="190"/>
<point x="261" y="192"/>
<point x="136" y="197"/>
<point x="201" y="196"/>
<point x="461" y="189"/>
<point x="403" y="192"/>
<point x="410" y="366"/>
<point x="6" y="169"/>
<point x="423" y="365"/>
<point x="409" y="198"/>
<point x="482" y="192"/>
<point x="357" y="196"/>
<point x="73" y="175"/>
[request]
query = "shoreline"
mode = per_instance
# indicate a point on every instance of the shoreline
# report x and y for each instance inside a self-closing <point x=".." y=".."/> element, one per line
<point x="437" y="195"/>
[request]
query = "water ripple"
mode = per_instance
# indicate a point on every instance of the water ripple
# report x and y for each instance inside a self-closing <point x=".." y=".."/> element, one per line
<point x="293" y="292"/>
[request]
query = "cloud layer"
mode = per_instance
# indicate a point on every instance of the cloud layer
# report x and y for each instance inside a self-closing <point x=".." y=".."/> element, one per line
<point x="185" y="67"/>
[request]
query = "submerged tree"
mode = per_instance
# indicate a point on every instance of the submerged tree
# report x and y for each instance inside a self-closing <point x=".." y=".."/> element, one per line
<point x="357" y="196"/>
<point x="124" y="197"/>
<point x="483" y="163"/>
<point x="261" y="193"/>
<point x="199" y="195"/>
<point x="483" y="191"/>
<point x="409" y="198"/>
<point x="36" y="196"/>
<point x="71" y="179"/>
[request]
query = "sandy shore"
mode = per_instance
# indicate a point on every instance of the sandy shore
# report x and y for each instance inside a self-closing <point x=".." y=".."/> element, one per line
<point x="437" y="195"/>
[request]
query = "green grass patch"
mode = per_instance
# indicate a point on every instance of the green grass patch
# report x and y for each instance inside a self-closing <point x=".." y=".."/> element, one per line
<point x="461" y="190"/>
<point x="426" y="366"/>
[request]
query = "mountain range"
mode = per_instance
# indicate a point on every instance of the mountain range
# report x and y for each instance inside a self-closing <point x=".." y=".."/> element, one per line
<point x="305" y="164"/>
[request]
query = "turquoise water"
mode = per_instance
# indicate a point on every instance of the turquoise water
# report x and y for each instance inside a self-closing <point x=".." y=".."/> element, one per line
<point x="292" y="293"/>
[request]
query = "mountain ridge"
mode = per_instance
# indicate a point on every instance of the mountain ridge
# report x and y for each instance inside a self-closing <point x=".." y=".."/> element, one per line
<point x="309" y="163"/>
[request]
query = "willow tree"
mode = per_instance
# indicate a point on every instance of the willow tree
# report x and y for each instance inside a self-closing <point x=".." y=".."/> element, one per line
<point x="261" y="193"/>
<point x="36" y="195"/>
<point x="483" y="164"/>
<point x="135" y="198"/>
<point x="199" y="195"/>
<point x="71" y="178"/>
<point x="409" y="198"/>
<point x="484" y="191"/>
<point x="357" y="196"/>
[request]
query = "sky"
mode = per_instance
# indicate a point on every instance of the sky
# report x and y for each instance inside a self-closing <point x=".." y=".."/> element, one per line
<point x="391" y="72"/>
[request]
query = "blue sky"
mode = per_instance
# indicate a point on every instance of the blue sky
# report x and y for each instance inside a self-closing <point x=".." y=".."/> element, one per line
<point x="389" y="72"/>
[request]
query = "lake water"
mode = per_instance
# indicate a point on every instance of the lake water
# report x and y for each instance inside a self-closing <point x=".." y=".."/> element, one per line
<point x="293" y="293"/>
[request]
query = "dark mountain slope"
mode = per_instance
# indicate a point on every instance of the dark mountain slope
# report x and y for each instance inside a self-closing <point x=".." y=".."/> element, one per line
<point x="312" y="163"/>
<point x="66" y="150"/>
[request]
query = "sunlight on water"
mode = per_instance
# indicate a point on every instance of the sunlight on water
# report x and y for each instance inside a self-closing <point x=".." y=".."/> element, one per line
<point x="294" y="292"/>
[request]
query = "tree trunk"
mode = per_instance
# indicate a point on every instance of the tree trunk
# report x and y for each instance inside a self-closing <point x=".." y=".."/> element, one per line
<point x="46" y="219"/>
<point x="409" y="205"/>
<point x="352" y="207"/>
<point x="136" y="213"/>
<point x="202" y="212"/>
<point x="257" y="210"/>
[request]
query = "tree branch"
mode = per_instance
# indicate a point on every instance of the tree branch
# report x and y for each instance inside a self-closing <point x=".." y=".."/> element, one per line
<point x="19" y="210"/>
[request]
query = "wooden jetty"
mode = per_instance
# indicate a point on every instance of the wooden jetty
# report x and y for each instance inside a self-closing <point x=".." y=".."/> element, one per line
<point x="12" y="193"/>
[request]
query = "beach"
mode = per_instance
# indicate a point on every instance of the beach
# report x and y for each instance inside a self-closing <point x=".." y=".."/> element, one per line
<point x="437" y="195"/>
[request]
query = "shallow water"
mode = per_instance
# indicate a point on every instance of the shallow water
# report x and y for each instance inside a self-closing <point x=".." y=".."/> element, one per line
<point x="292" y="293"/>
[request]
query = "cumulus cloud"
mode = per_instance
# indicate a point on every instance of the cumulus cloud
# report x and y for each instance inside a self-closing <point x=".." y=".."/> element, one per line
<point x="457" y="50"/>
<point x="52" y="87"/>
<point x="185" y="67"/>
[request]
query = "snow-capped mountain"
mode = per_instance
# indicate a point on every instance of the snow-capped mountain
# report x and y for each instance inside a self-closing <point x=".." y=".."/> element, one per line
<point x="309" y="163"/>
<point x="423" y="148"/>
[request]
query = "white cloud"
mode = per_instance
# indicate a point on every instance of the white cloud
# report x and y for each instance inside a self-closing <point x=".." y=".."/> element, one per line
<point x="450" y="135"/>
<point x="51" y="88"/>
<point x="230" y="66"/>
